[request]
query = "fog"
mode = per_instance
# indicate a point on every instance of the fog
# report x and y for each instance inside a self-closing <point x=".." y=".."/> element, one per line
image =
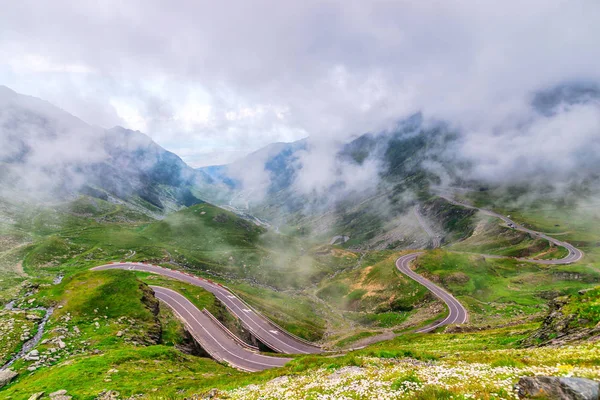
<point x="200" y="76"/>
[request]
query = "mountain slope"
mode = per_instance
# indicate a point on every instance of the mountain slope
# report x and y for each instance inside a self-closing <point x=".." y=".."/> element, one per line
<point x="49" y="154"/>
<point x="366" y="187"/>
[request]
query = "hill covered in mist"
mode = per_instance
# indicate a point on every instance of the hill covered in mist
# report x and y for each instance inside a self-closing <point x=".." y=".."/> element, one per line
<point x="549" y="149"/>
<point x="48" y="154"/>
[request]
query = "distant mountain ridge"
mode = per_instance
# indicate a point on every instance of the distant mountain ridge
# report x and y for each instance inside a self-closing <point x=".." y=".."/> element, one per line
<point x="49" y="153"/>
<point x="412" y="157"/>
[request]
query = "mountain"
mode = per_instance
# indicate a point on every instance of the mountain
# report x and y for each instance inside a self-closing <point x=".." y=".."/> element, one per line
<point x="48" y="153"/>
<point x="361" y="185"/>
<point x="270" y="168"/>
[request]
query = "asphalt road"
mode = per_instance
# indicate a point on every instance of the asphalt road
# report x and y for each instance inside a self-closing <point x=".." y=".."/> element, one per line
<point x="223" y="346"/>
<point x="574" y="253"/>
<point x="214" y="339"/>
<point x="266" y="331"/>
<point x="457" y="314"/>
<point x="435" y="239"/>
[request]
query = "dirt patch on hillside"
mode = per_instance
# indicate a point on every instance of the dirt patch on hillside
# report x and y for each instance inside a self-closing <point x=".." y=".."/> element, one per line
<point x="372" y="288"/>
<point x="343" y="253"/>
<point x="8" y="242"/>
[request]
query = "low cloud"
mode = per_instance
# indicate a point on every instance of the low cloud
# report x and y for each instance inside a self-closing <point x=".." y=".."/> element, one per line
<point x="202" y="76"/>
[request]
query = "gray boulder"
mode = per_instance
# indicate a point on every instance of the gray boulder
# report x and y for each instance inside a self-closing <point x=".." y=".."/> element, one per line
<point x="6" y="376"/>
<point x="557" y="388"/>
<point x="60" y="395"/>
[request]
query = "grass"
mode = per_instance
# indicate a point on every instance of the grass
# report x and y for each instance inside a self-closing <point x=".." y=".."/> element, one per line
<point x="297" y="314"/>
<point x="315" y="293"/>
<point x="13" y="324"/>
<point x="173" y="330"/>
<point x="584" y="308"/>
<point x="375" y="288"/>
<point x="506" y="288"/>
<point x="12" y="250"/>
<point x="346" y="342"/>
<point x="493" y="238"/>
<point x="94" y="306"/>
<point x="571" y="220"/>
<point x="203" y="238"/>
<point x="458" y="222"/>
<point x="97" y="360"/>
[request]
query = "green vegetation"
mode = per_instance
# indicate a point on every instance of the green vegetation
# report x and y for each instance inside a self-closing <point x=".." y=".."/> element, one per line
<point x="108" y="330"/>
<point x="375" y="286"/>
<point x="173" y="330"/>
<point x="204" y="238"/>
<point x="458" y="222"/>
<point x="584" y="309"/>
<point x="500" y="290"/>
<point x="490" y="237"/>
<point x="111" y="331"/>
<point x="297" y="314"/>
<point x="346" y="342"/>
<point x="15" y="329"/>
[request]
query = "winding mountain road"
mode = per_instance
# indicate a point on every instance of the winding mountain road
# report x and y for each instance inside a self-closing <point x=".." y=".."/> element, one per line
<point x="574" y="253"/>
<point x="222" y="345"/>
<point x="263" y="329"/>
<point x="215" y="339"/>
<point x="457" y="314"/>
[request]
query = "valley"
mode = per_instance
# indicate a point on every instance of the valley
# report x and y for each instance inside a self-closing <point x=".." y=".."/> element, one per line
<point x="400" y="276"/>
<point x="353" y="297"/>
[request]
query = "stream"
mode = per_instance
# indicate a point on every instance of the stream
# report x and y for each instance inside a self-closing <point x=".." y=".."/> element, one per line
<point x="33" y="342"/>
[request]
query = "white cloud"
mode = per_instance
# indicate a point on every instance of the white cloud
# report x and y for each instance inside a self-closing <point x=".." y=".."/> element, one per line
<point x="40" y="64"/>
<point x="199" y="75"/>
<point x="131" y="115"/>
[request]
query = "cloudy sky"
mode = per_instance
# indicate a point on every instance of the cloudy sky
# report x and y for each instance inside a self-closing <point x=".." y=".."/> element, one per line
<point x="213" y="80"/>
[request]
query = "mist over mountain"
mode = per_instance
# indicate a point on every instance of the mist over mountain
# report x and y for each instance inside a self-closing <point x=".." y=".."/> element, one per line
<point x="549" y="151"/>
<point x="48" y="154"/>
<point x="551" y="147"/>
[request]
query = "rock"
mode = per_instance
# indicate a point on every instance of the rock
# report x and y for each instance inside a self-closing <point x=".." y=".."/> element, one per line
<point x="581" y="387"/>
<point x="6" y="376"/>
<point x="34" y="353"/>
<point x="36" y="396"/>
<point x="30" y="301"/>
<point x="211" y="394"/>
<point x="120" y="333"/>
<point x="60" y="395"/>
<point x="33" y="317"/>
<point x="557" y="388"/>
<point x="31" y="369"/>
<point x="108" y="395"/>
<point x="61" y="344"/>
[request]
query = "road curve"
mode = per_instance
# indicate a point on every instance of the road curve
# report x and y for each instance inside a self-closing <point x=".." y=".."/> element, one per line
<point x="574" y="253"/>
<point x="214" y="339"/>
<point x="266" y="331"/>
<point x="457" y="314"/>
